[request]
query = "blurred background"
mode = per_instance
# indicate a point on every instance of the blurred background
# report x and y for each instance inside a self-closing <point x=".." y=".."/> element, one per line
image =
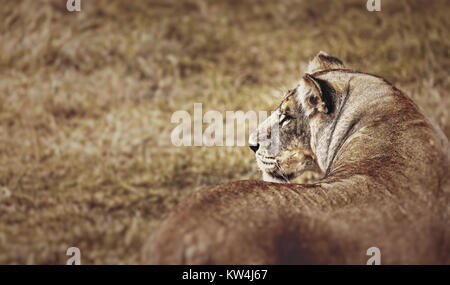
<point x="86" y="100"/>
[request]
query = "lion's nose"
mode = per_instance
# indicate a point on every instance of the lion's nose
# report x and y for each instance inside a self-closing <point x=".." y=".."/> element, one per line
<point x="254" y="147"/>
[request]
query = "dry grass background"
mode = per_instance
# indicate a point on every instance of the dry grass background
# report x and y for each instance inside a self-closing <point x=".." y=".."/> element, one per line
<point x="86" y="100"/>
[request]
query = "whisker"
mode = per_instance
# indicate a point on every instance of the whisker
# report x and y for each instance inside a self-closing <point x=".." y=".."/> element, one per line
<point x="282" y="172"/>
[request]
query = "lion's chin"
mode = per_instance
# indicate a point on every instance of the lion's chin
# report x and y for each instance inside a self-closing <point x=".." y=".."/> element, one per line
<point x="304" y="177"/>
<point x="274" y="177"/>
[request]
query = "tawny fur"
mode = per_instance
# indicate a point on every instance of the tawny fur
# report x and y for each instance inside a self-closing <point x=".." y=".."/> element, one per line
<point x="386" y="184"/>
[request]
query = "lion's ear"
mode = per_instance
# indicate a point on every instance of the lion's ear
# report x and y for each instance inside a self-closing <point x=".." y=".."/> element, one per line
<point x="323" y="61"/>
<point x="315" y="95"/>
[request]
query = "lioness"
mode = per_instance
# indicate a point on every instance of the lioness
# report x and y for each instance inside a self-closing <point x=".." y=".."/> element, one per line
<point x="385" y="183"/>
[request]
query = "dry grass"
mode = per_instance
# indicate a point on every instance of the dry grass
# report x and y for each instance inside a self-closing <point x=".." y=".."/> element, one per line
<point x="86" y="100"/>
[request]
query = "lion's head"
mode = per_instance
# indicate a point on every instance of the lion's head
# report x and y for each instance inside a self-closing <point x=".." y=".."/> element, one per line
<point x="282" y="143"/>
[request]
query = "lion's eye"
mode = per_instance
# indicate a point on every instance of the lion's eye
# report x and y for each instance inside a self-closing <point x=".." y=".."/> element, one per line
<point x="285" y="119"/>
